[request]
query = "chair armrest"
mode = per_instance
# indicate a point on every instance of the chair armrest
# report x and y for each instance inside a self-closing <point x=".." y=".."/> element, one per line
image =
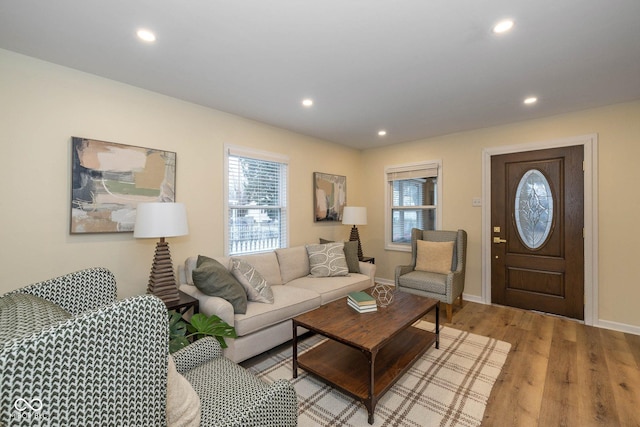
<point x="402" y="269"/>
<point x="77" y="292"/>
<point x="197" y="353"/>
<point x="106" y="366"/>
<point x="279" y="400"/>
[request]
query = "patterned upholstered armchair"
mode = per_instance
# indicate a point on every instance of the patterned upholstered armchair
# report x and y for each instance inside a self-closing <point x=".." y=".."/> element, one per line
<point x="88" y="359"/>
<point x="446" y="286"/>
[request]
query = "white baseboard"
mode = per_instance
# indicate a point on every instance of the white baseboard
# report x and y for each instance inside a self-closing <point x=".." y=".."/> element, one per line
<point x="615" y="326"/>
<point x="384" y="281"/>
<point x="605" y="324"/>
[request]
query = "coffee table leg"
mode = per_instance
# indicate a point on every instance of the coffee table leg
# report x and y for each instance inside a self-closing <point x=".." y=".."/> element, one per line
<point x="438" y="325"/>
<point x="295" y="350"/>
<point x="370" y="404"/>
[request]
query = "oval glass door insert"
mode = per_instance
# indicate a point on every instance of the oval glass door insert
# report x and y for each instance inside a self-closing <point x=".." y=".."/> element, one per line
<point x="534" y="209"/>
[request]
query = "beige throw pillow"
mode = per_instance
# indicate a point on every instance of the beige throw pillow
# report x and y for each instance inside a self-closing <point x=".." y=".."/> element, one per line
<point x="183" y="403"/>
<point x="434" y="257"/>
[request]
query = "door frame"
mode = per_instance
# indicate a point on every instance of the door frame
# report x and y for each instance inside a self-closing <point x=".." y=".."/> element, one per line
<point x="590" y="145"/>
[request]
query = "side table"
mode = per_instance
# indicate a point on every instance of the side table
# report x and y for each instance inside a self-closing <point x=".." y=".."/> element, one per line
<point x="185" y="303"/>
<point x="369" y="259"/>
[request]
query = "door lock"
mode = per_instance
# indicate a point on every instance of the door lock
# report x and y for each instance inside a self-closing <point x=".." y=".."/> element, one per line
<point x="499" y="240"/>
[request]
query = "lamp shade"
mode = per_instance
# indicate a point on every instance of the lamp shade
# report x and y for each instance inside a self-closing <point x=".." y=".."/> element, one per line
<point x="354" y="215"/>
<point x="160" y="220"/>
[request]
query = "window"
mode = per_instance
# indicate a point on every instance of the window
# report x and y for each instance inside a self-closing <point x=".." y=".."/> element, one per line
<point x="413" y="193"/>
<point x="256" y="199"/>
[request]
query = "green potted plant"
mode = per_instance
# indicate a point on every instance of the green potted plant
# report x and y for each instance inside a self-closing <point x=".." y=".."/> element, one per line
<point x="182" y="331"/>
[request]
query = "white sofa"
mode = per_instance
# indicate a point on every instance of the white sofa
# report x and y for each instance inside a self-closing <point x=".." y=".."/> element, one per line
<point x="265" y="326"/>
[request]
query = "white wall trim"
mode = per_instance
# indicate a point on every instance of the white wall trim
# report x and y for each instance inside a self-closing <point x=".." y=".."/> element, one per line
<point x="620" y="327"/>
<point x="590" y="144"/>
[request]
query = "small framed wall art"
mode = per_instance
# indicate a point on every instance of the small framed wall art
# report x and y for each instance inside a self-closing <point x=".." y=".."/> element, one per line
<point x="329" y="196"/>
<point x="108" y="180"/>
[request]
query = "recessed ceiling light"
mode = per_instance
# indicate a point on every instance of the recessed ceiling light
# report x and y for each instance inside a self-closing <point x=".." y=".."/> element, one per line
<point x="146" y="35"/>
<point x="382" y="132"/>
<point x="503" y="26"/>
<point x="307" y="102"/>
<point x="530" y="100"/>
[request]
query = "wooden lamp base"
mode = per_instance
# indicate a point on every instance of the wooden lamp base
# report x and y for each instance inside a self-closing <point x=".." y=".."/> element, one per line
<point x="355" y="237"/>
<point x="162" y="280"/>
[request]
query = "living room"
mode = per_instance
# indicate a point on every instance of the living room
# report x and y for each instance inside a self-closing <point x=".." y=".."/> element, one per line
<point x="44" y="105"/>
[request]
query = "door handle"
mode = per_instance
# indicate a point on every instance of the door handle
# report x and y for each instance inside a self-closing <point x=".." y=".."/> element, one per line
<point x="499" y="240"/>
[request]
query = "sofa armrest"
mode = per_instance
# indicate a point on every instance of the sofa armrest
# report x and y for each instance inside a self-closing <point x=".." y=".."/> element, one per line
<point x="368" y="269"/>
<point x="106" y="366"/>
<point x="77" y="292"/>
<point x="197" y="353"/>
<point x="211" y="305"/>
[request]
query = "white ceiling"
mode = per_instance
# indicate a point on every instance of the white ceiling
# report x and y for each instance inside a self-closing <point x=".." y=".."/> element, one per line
<point x="416" y="68"/>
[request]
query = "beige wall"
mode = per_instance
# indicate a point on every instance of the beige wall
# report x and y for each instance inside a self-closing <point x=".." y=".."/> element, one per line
<point x="43" y="105"/>
<point x="618" y="130"/>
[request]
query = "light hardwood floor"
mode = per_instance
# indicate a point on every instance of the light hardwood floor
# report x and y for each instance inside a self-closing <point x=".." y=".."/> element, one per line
<point x="559" y="372"/>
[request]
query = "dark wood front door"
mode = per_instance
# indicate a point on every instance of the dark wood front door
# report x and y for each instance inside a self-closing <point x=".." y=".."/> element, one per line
<point x="537" y="220"/>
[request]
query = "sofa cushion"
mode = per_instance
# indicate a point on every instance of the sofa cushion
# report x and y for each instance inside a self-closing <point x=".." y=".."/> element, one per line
<point x="287" y="303"/>
<point x="255" y="286"/>
<point x="267" y="264"/>
<point x="212" y="278"/>
<point x="335" y="288"/>
<point x="327" y="260"/>
<point x="435" y="257"/>
<point x="294" y="263"/>
<point x="40" y="313"/>
<point x="183" y="404"/>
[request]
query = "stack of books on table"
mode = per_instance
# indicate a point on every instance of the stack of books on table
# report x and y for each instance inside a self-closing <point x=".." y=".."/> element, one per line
<point x="362" y="302"/>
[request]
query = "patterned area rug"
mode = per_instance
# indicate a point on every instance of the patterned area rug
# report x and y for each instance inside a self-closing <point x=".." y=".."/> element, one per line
<point x="446" y="387"/>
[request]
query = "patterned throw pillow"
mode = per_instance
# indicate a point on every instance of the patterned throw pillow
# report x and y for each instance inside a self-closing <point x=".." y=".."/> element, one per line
<point x="350" y="253"/>
<point x="254" y="284"/>
<point x="327" y="260"/>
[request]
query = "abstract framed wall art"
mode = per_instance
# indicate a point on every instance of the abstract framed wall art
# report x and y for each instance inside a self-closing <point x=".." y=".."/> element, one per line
<point x="329" y="196"/>
<point x="108" y="180"/>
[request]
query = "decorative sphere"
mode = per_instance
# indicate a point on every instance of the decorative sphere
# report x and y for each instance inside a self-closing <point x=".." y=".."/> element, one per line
<point x="383" y="294"/>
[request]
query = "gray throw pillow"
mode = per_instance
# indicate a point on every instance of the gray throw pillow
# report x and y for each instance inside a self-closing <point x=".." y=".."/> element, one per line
<point x="350" y="253"/>
<point x="327" y="260"/>
<point x="212" y="278"/>
<point x="254" y="284"/>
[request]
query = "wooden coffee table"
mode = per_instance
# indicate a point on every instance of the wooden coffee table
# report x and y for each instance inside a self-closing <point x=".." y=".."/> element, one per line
<point x="368" y="352"/>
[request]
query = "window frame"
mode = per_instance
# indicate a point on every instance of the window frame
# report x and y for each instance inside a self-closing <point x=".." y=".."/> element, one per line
<point x="388" y="219"/>
<point x="251" y="153"/>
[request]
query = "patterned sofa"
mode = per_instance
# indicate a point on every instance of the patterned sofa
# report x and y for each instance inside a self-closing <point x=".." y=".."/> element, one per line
<point x="89" y="359"/>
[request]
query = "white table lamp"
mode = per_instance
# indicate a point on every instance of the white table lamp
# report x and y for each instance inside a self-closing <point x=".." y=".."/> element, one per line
<point x="161" y="220"/>
<point x="355" y="215"/>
